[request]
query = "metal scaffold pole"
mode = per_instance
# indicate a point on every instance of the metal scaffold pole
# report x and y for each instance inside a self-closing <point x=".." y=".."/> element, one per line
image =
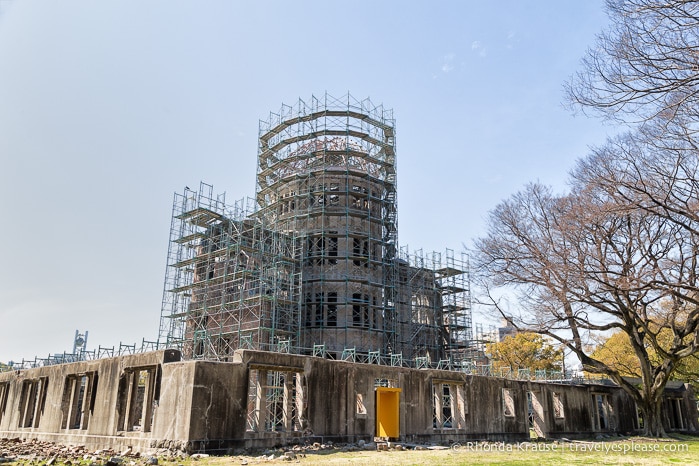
<point x="311" y="265"/>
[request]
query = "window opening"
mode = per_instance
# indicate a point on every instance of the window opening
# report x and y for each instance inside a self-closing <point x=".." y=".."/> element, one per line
<point x="139" y="394"/>
<point x="639" y="417"/>
<point x="275" y="401"/>
<point x="4" y="389"/>
<point x="32" y="401"/>
<point x="332" y="248"/>
<point x="360" y="310"/>
<point x="319" y="310"/>
<point x="78" y="400"/>
<point x="361" y="408"/>
<point x="448" y="406"/>
<point x="332" y="309"/>
<point x="600" y="410"/>
<point x="508" y="403"/>
<point x="356" y="309"/>
<point x="558" y="411"/>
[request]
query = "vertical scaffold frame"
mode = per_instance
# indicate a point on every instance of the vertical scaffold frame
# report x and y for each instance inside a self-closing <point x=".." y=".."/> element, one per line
<point x="231" y="281"/>
<point x="327" y="171"/>
<point x="312" y="261"/>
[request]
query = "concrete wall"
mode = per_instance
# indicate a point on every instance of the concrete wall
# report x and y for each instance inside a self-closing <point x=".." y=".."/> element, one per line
<point x="218" y="407"/>
<point x="332" y="389"/>
<point x="101" y="409"/>
<point x="263" y="399"/>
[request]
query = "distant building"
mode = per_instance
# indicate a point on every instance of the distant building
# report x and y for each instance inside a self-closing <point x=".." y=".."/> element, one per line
<point x="507" y="330"/>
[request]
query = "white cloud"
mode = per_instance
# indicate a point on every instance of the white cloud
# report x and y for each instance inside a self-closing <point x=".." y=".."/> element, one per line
<point x="448" y="62"/>
<point x="478" y="47"/>
<point x="511" y="39"/>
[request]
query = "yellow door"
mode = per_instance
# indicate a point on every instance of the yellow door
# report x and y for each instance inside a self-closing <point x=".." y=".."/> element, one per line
<point x="388" y="412"/>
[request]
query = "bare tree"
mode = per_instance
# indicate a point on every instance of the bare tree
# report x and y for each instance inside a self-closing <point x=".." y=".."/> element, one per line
<point x="619" y="252"/>
<point x="584" y="264"/>
<point x="645" y="66"/>
<point x="635" y="170"/>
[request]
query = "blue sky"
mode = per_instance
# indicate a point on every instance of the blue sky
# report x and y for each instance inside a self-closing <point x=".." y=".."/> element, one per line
<point x="107" y="108"/>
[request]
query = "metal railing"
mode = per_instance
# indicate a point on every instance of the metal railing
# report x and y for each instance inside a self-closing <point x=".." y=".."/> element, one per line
<point x="101" y="352"/>
<point x="320" y="351"/>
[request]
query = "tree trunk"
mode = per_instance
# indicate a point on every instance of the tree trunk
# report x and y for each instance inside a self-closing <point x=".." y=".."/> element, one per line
<point x="652" y="416"/>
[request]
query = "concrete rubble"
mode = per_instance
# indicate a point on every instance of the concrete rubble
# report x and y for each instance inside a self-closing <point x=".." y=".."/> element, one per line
<point x="34" y="451"/>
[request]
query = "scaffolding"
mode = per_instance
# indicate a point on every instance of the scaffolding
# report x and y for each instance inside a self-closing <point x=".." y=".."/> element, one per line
<point x="434" y="307"/>
<point x="327" y="172"/>
<point x="311" y="264"/>
<point x="231" y="281"/>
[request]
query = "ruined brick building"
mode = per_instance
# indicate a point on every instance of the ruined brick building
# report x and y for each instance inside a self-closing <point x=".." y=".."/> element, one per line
<point x="313" y="261"/>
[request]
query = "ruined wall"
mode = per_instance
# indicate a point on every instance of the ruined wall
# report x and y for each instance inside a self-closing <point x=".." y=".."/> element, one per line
<point x="115" y="402"/>
<point x="218" y="404"/>
<point x="420" y="323"/>
<point x="679" y="400"/>
<point x="337" y="211"/>
<point x="326" y="171"/>
<point x="263" y="399"/>
<point x="447" y="406"/>
<point x="171" y="426"/>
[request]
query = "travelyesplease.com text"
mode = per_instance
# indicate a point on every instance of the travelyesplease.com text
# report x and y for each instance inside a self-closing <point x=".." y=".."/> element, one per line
<point x="582" y="447"/>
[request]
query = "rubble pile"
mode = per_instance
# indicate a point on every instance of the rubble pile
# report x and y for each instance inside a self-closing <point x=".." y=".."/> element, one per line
<point x="297" y="452"/>
<point x="49" y="453"/>
<point x="31" y="451"/>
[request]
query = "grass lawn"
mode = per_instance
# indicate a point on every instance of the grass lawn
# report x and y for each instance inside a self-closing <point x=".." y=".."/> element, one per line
<point x="681" y="450"/>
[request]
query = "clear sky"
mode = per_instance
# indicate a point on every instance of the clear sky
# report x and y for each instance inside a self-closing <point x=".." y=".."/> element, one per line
<point x="108" y="107"/>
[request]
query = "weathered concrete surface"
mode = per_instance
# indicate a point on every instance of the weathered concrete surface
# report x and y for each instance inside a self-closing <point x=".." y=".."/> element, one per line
<point x="262" y="399"/>
<point x="333" y="386"/>
<point x="102" y="431"/>
<point x="218" y="409"/>
<point x="171" y="426"/>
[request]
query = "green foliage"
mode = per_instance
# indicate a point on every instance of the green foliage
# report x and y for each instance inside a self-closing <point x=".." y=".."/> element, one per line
<point x="524" y="350"/>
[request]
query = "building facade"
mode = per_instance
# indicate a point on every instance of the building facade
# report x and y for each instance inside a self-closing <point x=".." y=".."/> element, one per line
<point x="311" y="264"/>
<point x="263" y="399"/>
